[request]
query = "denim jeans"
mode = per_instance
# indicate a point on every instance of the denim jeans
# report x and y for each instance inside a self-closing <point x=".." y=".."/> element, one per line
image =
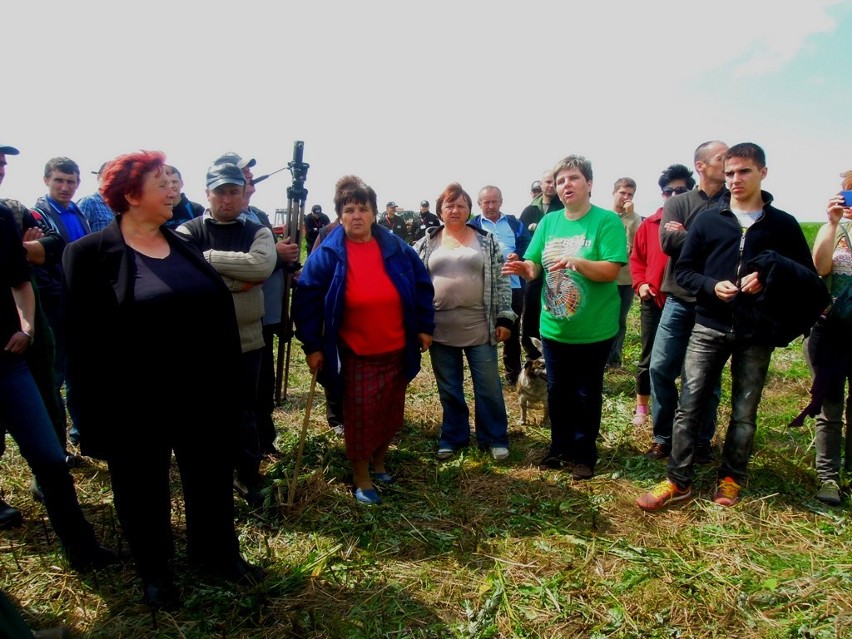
<point x="706" y="354"/>
<point x="649" y="318"/>
<point x="667" y="358"/>
<point x="625" y="293"/>
<point x="575" y="375"/>
<point x="25" y="417"/>
<point x="490" y="418"/>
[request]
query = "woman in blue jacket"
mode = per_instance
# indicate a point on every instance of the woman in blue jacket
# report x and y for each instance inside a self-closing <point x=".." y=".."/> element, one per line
<point x="363" y="312"/>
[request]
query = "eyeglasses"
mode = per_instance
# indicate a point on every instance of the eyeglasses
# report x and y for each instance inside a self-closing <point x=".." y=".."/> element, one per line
<point x="678" y="190"/>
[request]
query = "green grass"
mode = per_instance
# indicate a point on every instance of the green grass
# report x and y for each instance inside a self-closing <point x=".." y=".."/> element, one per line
<point x="474" y="549"/>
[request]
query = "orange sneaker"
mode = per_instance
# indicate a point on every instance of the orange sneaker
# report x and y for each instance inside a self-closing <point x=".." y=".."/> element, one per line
<point x="662" y="495"/>
<point x="728" y="492"/>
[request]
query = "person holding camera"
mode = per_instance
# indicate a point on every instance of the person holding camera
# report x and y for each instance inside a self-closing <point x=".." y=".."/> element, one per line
<point x="829" y="346"/>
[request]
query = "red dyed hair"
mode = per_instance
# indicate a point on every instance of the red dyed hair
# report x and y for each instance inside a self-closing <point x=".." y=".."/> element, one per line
<point x="451" y="194"/>
<point x="125" y="175"/>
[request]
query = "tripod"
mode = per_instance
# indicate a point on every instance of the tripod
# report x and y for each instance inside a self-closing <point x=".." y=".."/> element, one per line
<point x="297" y="194"/>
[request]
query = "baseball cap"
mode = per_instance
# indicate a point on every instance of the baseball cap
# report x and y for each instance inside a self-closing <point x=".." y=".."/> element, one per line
<point x="535" y="186"/>
<point x="100" y="170"/>
<point x="8" y="150"/>
<point x="316" y="208"/>
<point x="424" y="203"/>
<point x="220" y="174"/>
<point x="232" y="158"/>
<point x="391" y="204"/>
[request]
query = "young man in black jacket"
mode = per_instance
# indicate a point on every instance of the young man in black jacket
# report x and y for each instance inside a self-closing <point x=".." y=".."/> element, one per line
<point x="713" y="266"/>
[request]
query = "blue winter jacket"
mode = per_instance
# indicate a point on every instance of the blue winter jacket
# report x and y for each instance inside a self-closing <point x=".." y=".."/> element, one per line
<point x="319" y="299"/>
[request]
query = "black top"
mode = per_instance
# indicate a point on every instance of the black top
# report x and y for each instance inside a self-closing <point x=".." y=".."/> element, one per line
<point x="14" y="271"/>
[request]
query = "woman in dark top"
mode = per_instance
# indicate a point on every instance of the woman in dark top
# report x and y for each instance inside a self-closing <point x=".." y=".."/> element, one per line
<point x="142" y="393"/>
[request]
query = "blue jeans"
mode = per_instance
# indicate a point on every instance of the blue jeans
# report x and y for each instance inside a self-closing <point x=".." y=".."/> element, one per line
<point x="625" y="293"/>
<point x="25" y="417"/>
<point x="706" y="354"/>
<point x="575" y="375"/>
<point x="667" y="357"/>
<point x="490" y="418"/>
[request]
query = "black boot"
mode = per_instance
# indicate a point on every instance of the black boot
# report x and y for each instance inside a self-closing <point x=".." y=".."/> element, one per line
<point x="162" y="594"/>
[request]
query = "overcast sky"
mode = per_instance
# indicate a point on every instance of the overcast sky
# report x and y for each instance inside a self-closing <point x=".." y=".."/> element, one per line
<point x="412" y="96"/>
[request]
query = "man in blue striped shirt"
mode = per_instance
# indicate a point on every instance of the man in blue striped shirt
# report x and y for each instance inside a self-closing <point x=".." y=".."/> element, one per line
<point x="95" y="209"/>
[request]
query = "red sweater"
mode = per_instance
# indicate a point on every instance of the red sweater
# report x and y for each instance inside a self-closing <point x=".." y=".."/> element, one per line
<point x="647" y="261"/>
<point x="372" y="313"/>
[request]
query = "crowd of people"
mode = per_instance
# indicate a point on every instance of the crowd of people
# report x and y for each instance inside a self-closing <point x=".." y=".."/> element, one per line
<point x="709" y="268"/>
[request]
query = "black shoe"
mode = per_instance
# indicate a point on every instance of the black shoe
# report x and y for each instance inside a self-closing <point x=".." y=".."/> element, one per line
<point x="35" y="491"/>
<point x="237" y="571"/>
<point x="9" y="517"/>
<point x="162" y="594"/>
<point x="60" y="632"/>
<point x="553" y="462"/>
<point x="250" y="492"/>
<point x="74" y="461"/>
<point x="95" y="558"/>
<point x="581" y="472"/>
<point x="704" y="454"/>
<point x="657" y="451"/>
<point x="272" y="452"/>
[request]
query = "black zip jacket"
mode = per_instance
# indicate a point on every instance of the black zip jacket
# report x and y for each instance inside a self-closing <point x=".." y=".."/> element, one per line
<point x="717" y="249"/>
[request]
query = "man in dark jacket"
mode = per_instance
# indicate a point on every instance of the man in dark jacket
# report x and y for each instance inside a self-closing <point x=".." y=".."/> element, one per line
<point x="713" y="266"/>
<point x="183" y="210"/>
<point x="545" y="202"/>
<point x="62" y="178"/>
<point x="424" y="220"/>
<point x="315" y="221"/>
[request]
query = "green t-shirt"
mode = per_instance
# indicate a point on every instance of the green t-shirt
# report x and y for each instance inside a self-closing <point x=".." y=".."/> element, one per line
<point x="576" y="310"/>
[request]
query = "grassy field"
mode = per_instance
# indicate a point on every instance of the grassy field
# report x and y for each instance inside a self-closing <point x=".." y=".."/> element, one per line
<point x="473" y="548"/>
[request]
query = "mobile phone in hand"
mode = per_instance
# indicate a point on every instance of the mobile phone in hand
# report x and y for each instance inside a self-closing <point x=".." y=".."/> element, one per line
<point x="847" y="198"/>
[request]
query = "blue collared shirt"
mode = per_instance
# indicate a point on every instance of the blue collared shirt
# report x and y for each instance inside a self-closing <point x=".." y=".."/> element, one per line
<point x="506" y="237"/>
<point x="96" y="211"/>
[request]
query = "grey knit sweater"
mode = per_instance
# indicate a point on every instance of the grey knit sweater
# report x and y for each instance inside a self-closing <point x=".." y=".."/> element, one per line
<point x="243" y="253"/>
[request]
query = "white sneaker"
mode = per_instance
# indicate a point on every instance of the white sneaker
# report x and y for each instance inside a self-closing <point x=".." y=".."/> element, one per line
<point x="500" y="453"/>
<point x="446" y="453"/>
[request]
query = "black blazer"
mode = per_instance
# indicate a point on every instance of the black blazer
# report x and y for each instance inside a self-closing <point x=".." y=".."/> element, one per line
<point x="99" y="278"/>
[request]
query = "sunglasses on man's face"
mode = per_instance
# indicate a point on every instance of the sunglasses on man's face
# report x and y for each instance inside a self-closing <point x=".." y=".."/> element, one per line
<point x="678" y="190"/>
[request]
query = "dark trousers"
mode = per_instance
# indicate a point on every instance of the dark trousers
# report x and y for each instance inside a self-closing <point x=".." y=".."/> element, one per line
<point x="265" y="404"/>
<point x="649" y="318"/>
<point x="250" y="455"/>
<point x="512" y="346"/>
<point x="575" y="374"/>
<point x="625" y="293"/>
<point x="142" y="496"/>
<point x="531" y="317"/>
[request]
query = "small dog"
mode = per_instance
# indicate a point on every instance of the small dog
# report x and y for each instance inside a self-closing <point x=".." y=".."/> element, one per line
<point x="532" y="386"/>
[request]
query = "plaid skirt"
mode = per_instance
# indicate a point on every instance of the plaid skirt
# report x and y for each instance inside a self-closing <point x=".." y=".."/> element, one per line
<point x="373" y="400"/>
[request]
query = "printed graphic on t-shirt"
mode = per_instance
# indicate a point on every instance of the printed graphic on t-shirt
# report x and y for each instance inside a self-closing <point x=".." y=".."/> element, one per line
<point x="841" y="267"/>
<point x="563" y="294"/>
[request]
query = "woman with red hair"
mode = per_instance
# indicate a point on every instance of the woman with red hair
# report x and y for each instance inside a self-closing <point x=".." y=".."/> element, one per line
<point x="132" y="280"/>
